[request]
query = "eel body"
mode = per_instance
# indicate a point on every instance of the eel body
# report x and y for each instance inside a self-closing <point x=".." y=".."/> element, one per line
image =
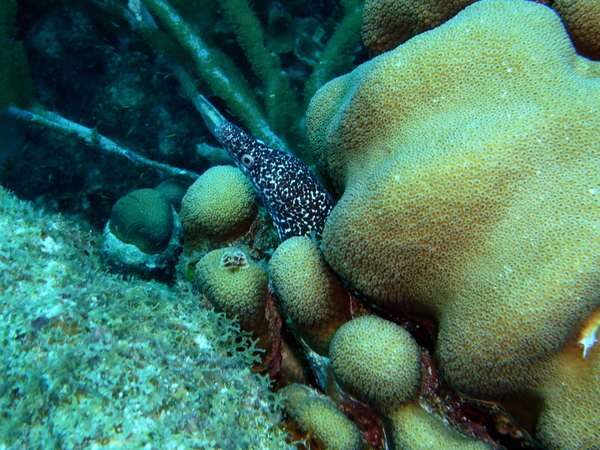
<point x="297" y="201"/>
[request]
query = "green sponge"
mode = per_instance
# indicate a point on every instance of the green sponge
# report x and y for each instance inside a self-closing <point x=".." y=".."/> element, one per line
<point x="143" y="218"/>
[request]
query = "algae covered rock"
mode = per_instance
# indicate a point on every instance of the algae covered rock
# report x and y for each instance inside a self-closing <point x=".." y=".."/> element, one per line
<point x="90" y="360"/>
<point x="467" y="160"/>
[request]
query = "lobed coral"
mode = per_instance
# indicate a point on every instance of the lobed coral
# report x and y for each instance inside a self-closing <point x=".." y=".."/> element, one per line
<point x="581" y="20"/>
<point x="319" y="416"/>
<point x="469" y="196"/>
<point x="143" y="218"/>
<point x="415" y="429"/>
<point x="569" y="416"/>
<point x="220" y="205"/>
<point x="313" y="298"/>
<point x="389" y="23"/>
<point x="142" y="238"/>
<point x="174" y="190"/>
<point x="237" y="286"/>
<point x="91" y="361"/>
<point x="377" y="361"/>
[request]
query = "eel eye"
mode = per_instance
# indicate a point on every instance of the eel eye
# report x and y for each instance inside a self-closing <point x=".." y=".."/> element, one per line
<point x="247" y="160"/>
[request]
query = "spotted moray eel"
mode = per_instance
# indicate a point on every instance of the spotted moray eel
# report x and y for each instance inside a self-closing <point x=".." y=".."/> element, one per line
<point x="297" y="201"/>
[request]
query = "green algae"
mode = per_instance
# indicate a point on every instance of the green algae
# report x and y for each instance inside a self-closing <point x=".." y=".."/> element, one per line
<point x="90" y="360"/>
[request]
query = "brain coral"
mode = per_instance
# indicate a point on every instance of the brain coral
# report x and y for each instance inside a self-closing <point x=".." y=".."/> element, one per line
<point x="236" y="286"/>
<point x="310" y="292"/>
<point x="143" y="218"/>
<point x="321" y="418"/>
<point x="468" y="162"/>
<point x="219" y="205"/>
<point x="377" y="361"/>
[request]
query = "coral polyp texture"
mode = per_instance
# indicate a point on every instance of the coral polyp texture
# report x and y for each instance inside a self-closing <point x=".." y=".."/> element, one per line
<point x="311" y="295"/>
<point x="377" y="361"/>
<point x="219" y="205"/>
<point x="413" y="428"/>
<point x="319" y="416"/>
<point x="388" y="23"/>
<point x="466" y="160"/>
<point x="142" y="236"/>
<point x="582" y="19"/>
<point x="235" y="285"/>
<point x="174" y="190"/>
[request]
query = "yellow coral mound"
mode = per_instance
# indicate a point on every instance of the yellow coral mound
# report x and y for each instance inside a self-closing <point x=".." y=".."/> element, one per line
<point x="219" y="205"/>
<point x="468" y="161"/>
<point x="321" y="418"/>
<point x="582" y="19"/>
<point x="413" y="428"/>
<point x="237" y="286"/>
<point x="312" y="296"/>
<point x="377" y="361"/>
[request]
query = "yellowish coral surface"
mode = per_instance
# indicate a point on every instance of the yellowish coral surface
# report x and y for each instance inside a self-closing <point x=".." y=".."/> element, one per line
<point x="570" y="416"/>
<point x="236" y="286"/>
<point x="413" y="428"/>
<point x="377" y="361"/>
<point x="318" y="415"/>
<point x="467" y="159"/>
<point x="310" y="292"/>
<point x="220" y="204"/>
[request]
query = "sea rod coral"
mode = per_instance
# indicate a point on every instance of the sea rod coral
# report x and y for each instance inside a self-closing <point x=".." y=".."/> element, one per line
<point x="466" y="160"/>
<point x="121" y="77"/>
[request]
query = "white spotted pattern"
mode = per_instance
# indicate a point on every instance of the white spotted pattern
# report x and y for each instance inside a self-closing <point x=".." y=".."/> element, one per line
<point x="296" y="200"/>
